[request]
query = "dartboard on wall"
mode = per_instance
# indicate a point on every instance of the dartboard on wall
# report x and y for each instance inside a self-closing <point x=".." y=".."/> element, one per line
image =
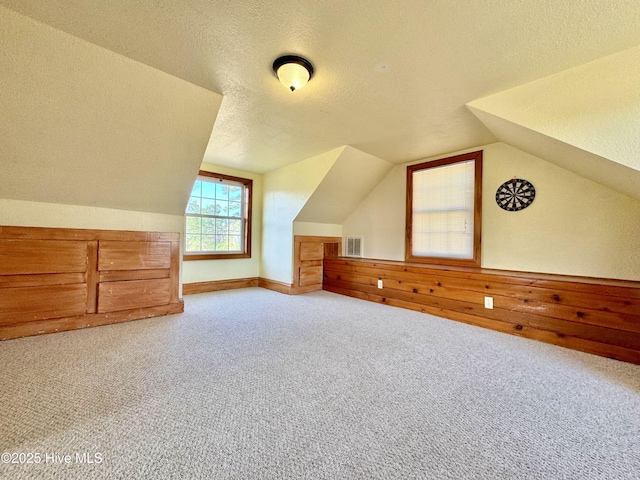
<point x="515" y="194"/>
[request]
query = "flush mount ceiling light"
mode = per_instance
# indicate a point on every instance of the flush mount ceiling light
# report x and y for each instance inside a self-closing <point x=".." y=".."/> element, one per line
<point x="293" y="72"/>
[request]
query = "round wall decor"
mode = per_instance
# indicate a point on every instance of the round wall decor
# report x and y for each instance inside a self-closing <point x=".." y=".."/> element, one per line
<point x="515" y="194"/>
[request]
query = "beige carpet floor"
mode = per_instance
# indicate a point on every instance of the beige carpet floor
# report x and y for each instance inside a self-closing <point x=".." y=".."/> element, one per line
<point x="252" y="384"/>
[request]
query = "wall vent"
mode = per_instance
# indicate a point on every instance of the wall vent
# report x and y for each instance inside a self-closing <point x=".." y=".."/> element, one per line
<point x="353" y="246"/>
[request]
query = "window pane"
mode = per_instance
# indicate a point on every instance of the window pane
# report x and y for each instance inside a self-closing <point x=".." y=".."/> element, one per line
<point x="208" y="226"/>
<point x="235" y="226"/>
<point x="222" y="242"/>
<point x="235" y="193"/>
<point x="222" y="191"/>
<point x="443" y="211"/>
<point x="194" y="205"/>
<point x="208" y="190"/>
<point x="222" y="226"/>
<point x="222" y="208"/>
<point x="196" y="188"/>
<point x="193" y="225"/>
<point x="193" y="243"/>
<point x="208" y="206"/>
<point x="217" y="214"/>
<point x="235" y="243"/>
<point x="208" y="242"/>
<point x="235" y="209"/>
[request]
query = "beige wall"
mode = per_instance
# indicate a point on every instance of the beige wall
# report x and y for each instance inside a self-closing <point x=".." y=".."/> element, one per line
<point x="82" y="125"/>
<point x="585" y="119"/>
<point x="574" y="226"/>
<point x="595" y="106"/>
<point x="317" y="229"/>
<point x="212" y="270"/>
<point x="54" y="215"/>
<point x="23" y="213"/>
<point x="286" y="191"/>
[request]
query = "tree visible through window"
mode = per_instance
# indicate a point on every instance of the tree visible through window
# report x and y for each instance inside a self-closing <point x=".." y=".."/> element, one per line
<point x="218" y="218"/>
<point x="444" y="199"/>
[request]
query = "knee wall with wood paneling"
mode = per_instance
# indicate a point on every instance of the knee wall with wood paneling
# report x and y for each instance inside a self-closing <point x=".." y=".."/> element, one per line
<point x="593" y="315"/>
<point x="62" y="279"/>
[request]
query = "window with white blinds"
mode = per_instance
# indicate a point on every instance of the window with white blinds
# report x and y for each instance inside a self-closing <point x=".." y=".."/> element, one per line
<point x="443" y="210"/>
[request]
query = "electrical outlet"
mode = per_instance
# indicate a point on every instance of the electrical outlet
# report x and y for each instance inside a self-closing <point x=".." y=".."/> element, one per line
<point x="488" y="302"/>
<point x="380" y="283"/>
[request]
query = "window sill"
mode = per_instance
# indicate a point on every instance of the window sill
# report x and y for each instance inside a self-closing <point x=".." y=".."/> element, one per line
<point x="454" y="262"/>
<point x="213" y="256"/>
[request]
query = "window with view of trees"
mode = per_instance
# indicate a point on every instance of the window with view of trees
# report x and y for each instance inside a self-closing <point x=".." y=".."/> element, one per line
<point x="218" y="218"/>
<point x="444" y="200"/>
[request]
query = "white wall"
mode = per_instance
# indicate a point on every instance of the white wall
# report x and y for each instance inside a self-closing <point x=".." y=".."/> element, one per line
<point x="212" y="270"/>
<point x="286" y="190"/>
<point x="595" y="106"/>
<point x="82" y="125"/>
<point x="21" y="213"/>
<point x="317" y="229"/>
<point x="344" y="187"/>
<point x="585" y="119"/>
<point x="574" y="226"/>
<point x="380" y="218"/>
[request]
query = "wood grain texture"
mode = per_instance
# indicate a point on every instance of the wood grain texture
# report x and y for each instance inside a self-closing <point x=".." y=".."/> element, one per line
<point x="596" y="316"/>
<point x="47" y="274"/>
<point x="77" y="234"/>
<point x="134" y="255"/>
<point x="218" y="285"/>
<point x="40" y="280"/>
<point x="308" y="253"/>
<point x="42" y="256"/>
<point x="129" y="295"/>
<point x="174" y="271"/>
<point x="275" y="285"/>
<point x="92" y="276"/>
<point x="311" y="251"/>
<point x="333" y="249"/>
<point x="123" y="275"/>
<point x="26" y="304"/>
<point x="40" y="327"/>
<point x="310" y="275"/>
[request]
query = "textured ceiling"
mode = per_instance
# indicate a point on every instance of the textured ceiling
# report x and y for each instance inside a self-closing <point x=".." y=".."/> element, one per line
<point x="585" y="119"/>
<point x="391" y="80"/>
<point x="82" y="125"/>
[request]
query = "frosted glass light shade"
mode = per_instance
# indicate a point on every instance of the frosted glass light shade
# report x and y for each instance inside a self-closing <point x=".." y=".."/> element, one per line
<point x="292" y="71"/>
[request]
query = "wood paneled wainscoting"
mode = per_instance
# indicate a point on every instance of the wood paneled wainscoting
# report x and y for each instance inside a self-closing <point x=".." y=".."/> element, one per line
<point x="54" y="279"/>
<point x="598" y="316"/>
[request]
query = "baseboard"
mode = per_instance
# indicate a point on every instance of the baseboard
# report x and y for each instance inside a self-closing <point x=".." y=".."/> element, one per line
<point x="286" y="288"/>
<point x="52" y="325"/>
<point x="274" y="285"/>
<point x="305" y="289"/>
<point x="599" y="316"/>
<point x="217" y="285"/>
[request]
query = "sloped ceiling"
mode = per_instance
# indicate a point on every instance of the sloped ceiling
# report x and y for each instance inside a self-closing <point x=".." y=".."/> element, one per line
<point x="351" y="178"/>
<point x="585" y="119"/>
<point x="85" y="126"/>
<point x="392" y="78"/>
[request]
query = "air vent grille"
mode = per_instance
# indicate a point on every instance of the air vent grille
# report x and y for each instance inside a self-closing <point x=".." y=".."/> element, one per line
<point x="353" y="246"/>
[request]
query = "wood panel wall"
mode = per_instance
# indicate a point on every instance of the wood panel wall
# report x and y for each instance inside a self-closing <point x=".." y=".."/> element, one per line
<point x="62" y="279"/>
<point x="308" y="254"/>
<point x="598" y="316"/>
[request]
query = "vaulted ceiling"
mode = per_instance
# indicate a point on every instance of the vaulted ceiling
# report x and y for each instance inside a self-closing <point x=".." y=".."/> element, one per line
<point x="392" y="78"/>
